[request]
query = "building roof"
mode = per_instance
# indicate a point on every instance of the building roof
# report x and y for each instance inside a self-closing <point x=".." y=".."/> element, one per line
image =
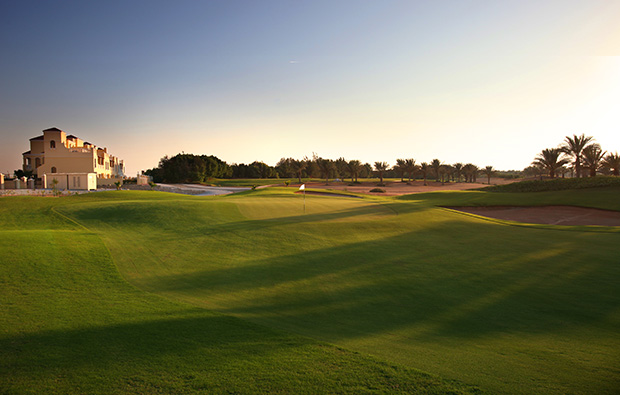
<point x="72" y="137"/>
<point x="26" y="153"/>
<point x="54" y="129"/>
<point x="37" y="138"/>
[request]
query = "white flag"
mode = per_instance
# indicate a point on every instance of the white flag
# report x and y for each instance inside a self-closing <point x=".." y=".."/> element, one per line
<point x="302" y="187"/>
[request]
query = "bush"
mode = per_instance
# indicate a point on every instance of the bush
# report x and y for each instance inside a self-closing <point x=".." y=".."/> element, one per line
<point x="556" y="184"/>
<point x="379" y="190"/>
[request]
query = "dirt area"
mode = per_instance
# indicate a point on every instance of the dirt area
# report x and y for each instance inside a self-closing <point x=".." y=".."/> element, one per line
<point x="551" y="215"/>
<point x="403" y="188"/>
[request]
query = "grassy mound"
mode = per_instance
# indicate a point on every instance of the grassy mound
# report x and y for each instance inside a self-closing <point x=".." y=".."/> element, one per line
<point x="70" y="324"/>
<point x="512" y="309"/>
<point x="556" y="184"/>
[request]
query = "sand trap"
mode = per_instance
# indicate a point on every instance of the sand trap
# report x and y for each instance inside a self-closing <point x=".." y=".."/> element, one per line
<point x="551" y="215"/>
<point x="328" y="194"/>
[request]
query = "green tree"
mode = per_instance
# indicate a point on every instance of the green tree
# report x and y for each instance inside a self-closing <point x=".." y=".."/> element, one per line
<point x="458" y="171"/>
<point x="424" y="169"/>
<point x="341" y="167"/>
<point x="19" y="173"/>
<point x="354" y="166"/>
<point x="471" y="172"/>
<point x="435" y="165"/>
<point x="284" y="167"/>
<point x="574" y="146"/>
<point x="410" y="167"/>
<point x="401" y="168"/>
<point x="298" y="167"/>
<point x="366" y="170"/>
<point x="612" y="162"/>
<point x="444" y="173"/>
<point x="593" y="158"/>
<point x="488" y="171"/>
<point x="326" y="167"/>
<point x="550" y="160"/>
<point x="381" y="168"/>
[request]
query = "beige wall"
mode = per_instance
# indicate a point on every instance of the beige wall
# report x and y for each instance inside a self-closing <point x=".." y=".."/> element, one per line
<point x="108" y="182"/>
<point x="67" y="162"/>
<point x="72" y="181"/>
<point x="141" y="179"/>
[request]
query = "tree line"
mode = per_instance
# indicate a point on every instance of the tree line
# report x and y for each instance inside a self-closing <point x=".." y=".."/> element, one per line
<point x="579" y="156"/>
<point x="189" y="168"/>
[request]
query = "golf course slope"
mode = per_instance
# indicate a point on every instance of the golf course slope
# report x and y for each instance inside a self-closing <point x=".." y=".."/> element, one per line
<point x="147" y="292"/>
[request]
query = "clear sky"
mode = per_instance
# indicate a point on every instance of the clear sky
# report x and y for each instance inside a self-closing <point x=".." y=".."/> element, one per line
<point x="487" y="82"/>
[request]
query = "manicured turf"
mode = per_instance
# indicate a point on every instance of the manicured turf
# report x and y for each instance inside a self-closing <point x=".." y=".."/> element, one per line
<point x="70" y="324"/>
<point x="516" y="309"/>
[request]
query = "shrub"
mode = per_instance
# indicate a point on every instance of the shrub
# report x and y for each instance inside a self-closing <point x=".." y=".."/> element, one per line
<point x="379" y="190"/>
<point x="556" y="184"/>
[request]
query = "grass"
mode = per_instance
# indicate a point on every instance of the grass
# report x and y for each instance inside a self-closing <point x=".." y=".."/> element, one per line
<point x="70" y="324"/>
<point x="509" y="309"/>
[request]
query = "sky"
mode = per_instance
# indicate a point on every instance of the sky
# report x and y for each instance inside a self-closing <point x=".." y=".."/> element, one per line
<point x="486" y="82"/>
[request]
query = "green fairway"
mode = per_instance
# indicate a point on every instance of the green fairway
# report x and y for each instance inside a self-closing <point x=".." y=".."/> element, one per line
<point x="514" y="309"/>
<point x="70" y="324"/>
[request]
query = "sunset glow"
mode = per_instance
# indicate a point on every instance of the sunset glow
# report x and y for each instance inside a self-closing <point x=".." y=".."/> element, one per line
<point x="491" y="83"/>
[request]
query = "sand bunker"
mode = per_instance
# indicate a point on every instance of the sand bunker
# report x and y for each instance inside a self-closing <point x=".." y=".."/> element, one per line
<point x="552" y="215"/>
<point x="328" y="194"/>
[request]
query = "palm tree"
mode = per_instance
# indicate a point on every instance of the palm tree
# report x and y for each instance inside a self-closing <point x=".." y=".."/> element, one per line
<point x="354" y="169"/>
<point x="458" y="171"/>
<point x="410" y="167"/>
<point x="424" y="169"/>
<point x="592" y="158"/>
<point x="535" y="170"/>
<point x="471" y="172"/>
<point x="298" y="167"/>
<point x="341" y="166"/>
<point x="435" y="164"/>
<point x="444" y="171"/>
<point x="448" y="172"/>
<point x="574" y="146"/>
<point x="612" y="162"/>
<point x="326" y="166"/>
<point x="401" y="168"/>
<point x="562" y="170"/>
<point x="550" y="160"/>
<point x="381" y="167"/>
<point x="488" y="171"/>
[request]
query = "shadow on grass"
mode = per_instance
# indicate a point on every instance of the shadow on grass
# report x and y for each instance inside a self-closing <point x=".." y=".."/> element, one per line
<point x="430" y="281"/>
<point x="213" y="217"/>
<point x="206" y="353"/>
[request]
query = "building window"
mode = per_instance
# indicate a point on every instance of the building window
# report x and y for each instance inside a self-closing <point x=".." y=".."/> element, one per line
<point x="53" y="170"/>
<point x="37" y="162"/>
<point x="52" y="144"/>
